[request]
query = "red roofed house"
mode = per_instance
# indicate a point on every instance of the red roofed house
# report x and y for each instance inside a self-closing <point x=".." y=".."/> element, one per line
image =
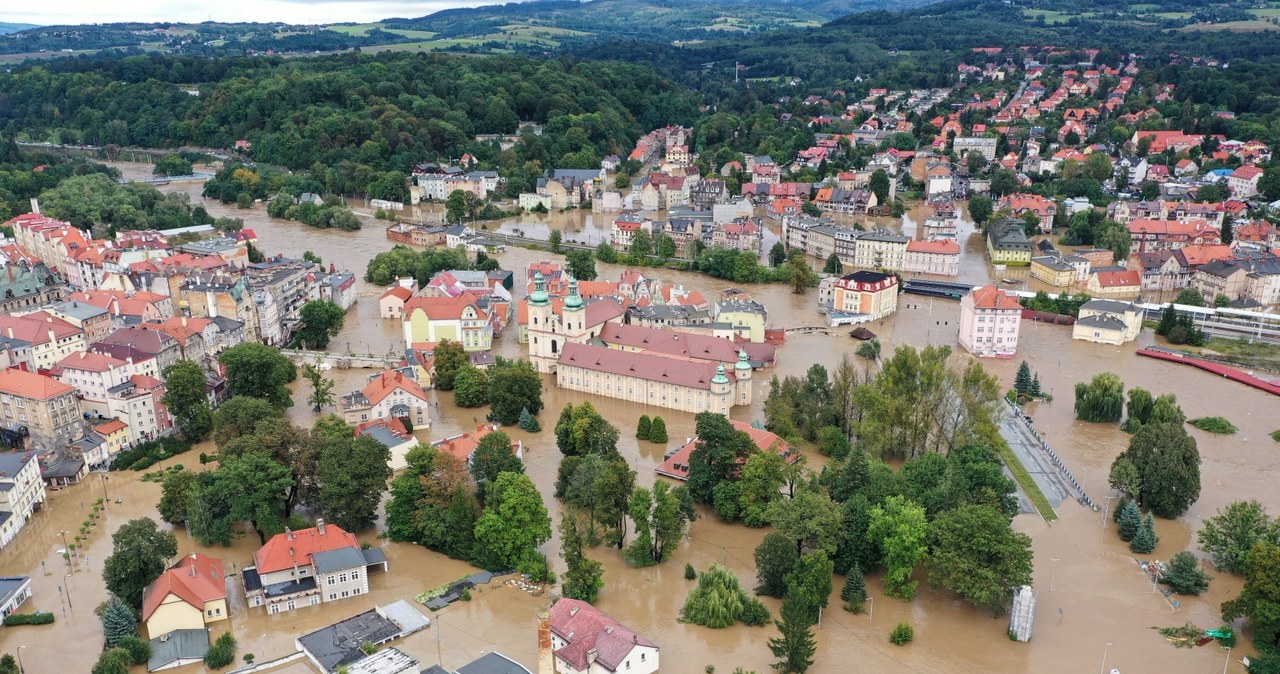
<point x="391" y="304"/>
<point x="587" y="641"/>
<point x="1107" y="284"/>
<point x="989" y="322"/>
<point x="389" y="394"/>
<point x="940" y="257"/>
<point x="1244" y="181"/>
<point x="189" y="595"/>
<point x="48" y="408"/>
<point x="460" y="319"/>
<point x="677" y="464"/>
<point x="462" y="447"/>
<point x="309" y="567"/>
<point x="1152" y="235"/>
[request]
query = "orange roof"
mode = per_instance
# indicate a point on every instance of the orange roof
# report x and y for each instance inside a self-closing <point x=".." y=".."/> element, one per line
<point x="30" y="385"/>
<point x="444" y="308"/>
<point x="296" y="547"/>
<point x="398" y="291"/>
<point x="1198" y="255"/>
<point x="387" y="383"/>
<point x="109" y="427"/>
<point x="461" y="447"/>
<point x="940" y="246"/>
<point x="35" y="327"/>
<point x="991" y="297"/>
<point x="678" y="465"/>
<point x="1119" y="279"/>
<point x="195" y="579"/>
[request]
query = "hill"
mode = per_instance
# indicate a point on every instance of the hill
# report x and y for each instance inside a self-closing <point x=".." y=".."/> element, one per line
<point x="6" y="28"/>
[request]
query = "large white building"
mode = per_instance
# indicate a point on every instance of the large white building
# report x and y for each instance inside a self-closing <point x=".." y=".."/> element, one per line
<point x="309" y="567"/>
<point x="588" y="641"/>
<point x="989" y="322"/>
<point x="21" y="492"/>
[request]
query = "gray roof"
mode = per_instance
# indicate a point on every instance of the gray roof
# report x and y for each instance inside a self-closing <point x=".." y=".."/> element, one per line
<point x="339" y="643"/>
<point x="331" y="561"/>
<point x="11" y="463"/>
<point x="385" y="661"/>
<point x="79" y="310"/>
<point x="10" y="585"/>
<point x="1105" y="321"/>
<point x="493" y="663"/>
<point x="178" y="646"/>
<point x="64" y="469"/>
<point x="1053" y="262"/>
<point x="1220" y="268"/>
<point x="1109" y="305"/>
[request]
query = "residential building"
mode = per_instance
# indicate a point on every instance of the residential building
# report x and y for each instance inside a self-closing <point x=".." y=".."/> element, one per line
<point x="46" y="407"/>
<point x="92" y="375"/>
<point x="746" y="317"/>
<point x="50" y="338"/>
<point x="391" y="303"/>
<point x="938" y="180"/>
<point x="25" y="285"/>
<point x="114" y="434"/>
<point x="216" y="294"/>
<point x="188" y="596"/>
<point x="983" y="145"/>
<point x="865" y="293"/>
<point x="1125" y="283"/>
<point x="1007" y="242"/>
<point x="140" y="403"/>
<point x="1152" y="235"/>
<point x="463" y="446"/>
<point x="1160" y="270"/>
<point x="459" y="319"/>
<point x="309" y="567"/>
<point x="14" y="592"/>
<point x="94" y="321"/>
<point x="1053" y="271"/>
<point x="880" y="249"/>
<point x="588" y="641"/>
<point x="1221" y="278"/>
<point x="989" y="322"/>
<point x="940" y="257"/>
<point x="388" y="395"/>
<point x="625" y="227"/>
<point x="158" y="345"/>
<point x="21" y="492"/>
<point x="1107" y="322"/>
<point x="651" y="378"/>
<point x="392" y="434"/>
<point x="1243" y="182"/>
<point x="676" y="465"/>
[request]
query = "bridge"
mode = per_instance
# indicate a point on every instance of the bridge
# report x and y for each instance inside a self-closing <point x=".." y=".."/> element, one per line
<point x="341" y="361"/>
<point x="946" y="289"/>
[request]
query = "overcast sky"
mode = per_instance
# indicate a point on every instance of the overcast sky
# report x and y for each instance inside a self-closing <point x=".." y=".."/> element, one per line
<point x="291" y="11"/>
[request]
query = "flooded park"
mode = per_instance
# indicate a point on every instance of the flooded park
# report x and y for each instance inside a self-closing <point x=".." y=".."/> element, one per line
<point x="1095" y="608"/>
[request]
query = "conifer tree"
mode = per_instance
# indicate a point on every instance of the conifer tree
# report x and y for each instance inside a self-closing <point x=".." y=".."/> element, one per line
<point x="644" y="428"/>
<point x="1035" y="386"/>
<point x="1130" y="522"/>
<point x="528" y="422"/>
<point x="1022" y="380"/>
<point x="118" y="621"/>
<point x="795" y="645"/>
<point x="658" y="430"/>
<point x="854" y="592"/>
<point x="1145" y="540"/>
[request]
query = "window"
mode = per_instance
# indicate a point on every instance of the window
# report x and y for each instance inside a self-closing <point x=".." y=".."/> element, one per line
<point x="355" y="575"/>
<point x="331" y="581"/>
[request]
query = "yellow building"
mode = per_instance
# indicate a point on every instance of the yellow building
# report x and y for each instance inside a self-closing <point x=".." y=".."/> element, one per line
<point x="1052" y="270"/>
<point x="1007" y="242"/>
<point x="748" y="318"/>
<point x="458" y="319"/>
<point x="189" y="595"/>
<point x="1108" y="322"/>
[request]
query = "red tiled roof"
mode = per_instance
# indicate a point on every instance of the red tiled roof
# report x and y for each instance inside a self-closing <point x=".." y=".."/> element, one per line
<point x="991" y="297"/>
<point x="399" y="291"/>
<point x="1246" y="172"/>
<point x="444" y="308"/>
<point x="90" y="362"/>
<point x="683" y="344"/>
<point x="282" y="551"/>
<point x="31" y="385"/>
<point x="659" y="367"/>
<point x="587" y="629"/>
<point x="678" y="465"/>
<point x="35" y="327"/>
<point x="940" y="246"/>
<point x="195" y="579"/>
<point x="388" y="382"/>
<point x="109" y="427"/>
<point x="1119" y="279"/>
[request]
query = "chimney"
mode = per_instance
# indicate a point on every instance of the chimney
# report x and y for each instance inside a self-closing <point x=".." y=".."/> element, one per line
<point x="35" y="205"/>
<point x="320" y="526"/>
<point x="546" y="661"/>
<point x="289" y="534"/>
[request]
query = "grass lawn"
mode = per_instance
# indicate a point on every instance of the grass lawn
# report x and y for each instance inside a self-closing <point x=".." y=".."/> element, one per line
<point x="1235" y="26"/>
<point x="1024" y="480"/>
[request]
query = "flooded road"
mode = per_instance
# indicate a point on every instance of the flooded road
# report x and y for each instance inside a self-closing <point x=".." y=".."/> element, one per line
<point x="1092" y="595"/>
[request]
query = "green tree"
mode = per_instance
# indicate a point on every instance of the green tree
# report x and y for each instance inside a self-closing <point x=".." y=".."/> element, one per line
<point x="259" y="371"/>
<point x="641" y="244"/>
<point x="239" y="416"/>
<point x="601" y="485"/>
<point x="795" y="645"/>
<point x="581" y="265"/>
<point x="833" y="265"/>
<point x="1233" y="531"/>
<point x="172" y="165"/>
<point x="139" y="650"/>
<point x="854" y="592"/>
<point x="811" y="209"/>
<point x="353" y="474"/>
<point x="716" y="455"/>
<point x="461" y="205"/>
<point x="775" y="557"/>
<point x="1259" y="600"/>
<point x="321" y="387"/>
<point x="777" y="254"/>
<point x="222" y="653"/>
<point x="581" y="431"/>
<point x="1184" y="575"/>
<point x="605" y="253"/>
<point x="1138" y="410"/>
<point x="1101" y="400"/>
<point x="879" y="186"/>
<point x="528" y="422"/>
<point x="514" y="387"/>
<point x="809" y="583"/>
<point x="8" y="665"/>
<point x="118" y="621"/>
<point x="471" y="387"/>
<point x="642" y="427"/>
<point x="810" y="519"/>
<point x="980" y="209"/>
<point x="257" y="488"/>
<point x="664" y="246"/>
<point x="1022" y="381"/>
<point x="175" y="496"/>
<point x="140" y="552"/>
<point x="321" y="321"/>
<point x="869" y="349"/>
<point x="494" y="456"/>
<point x="1145" y="540"/>
<point x="514" y="523"/>
<point x="658" y="430"/>
<point x="717" y="601"/>
<point x="974" y="553"/>
<point x="1189" y="297"/>
<point x="450" y="357"/>
<point x="759" y="486"/>
<point x="188" y="400"/>
<point x="1129" y="520"/>
<point x="555" y="239"/>
<point x="899" y="529"/>
<point x="585" y="576"/>
<point x="659" y="517"/>
<point x="1168" y="467"/>
<point x="113" y="661"/>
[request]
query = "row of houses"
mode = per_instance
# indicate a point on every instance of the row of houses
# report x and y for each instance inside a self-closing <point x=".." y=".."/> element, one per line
<point x="875" y="249"/>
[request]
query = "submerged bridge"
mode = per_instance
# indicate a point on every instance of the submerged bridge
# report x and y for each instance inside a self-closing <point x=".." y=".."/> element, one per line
<point x="341" y="361"/>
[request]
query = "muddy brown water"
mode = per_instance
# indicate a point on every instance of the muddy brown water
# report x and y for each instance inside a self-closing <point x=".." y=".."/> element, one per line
<point x="1098" y="596"/>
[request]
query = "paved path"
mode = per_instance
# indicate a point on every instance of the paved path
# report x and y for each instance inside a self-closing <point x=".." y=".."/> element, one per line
<point x="1027" y="448"/>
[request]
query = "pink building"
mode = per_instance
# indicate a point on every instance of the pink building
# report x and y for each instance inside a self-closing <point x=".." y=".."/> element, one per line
<point x="989" y="322"/>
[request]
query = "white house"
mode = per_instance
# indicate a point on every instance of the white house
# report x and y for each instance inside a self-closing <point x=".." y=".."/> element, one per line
<point x="1107" y="322"/>
<point x="21" y="492"/>
<point x="989" y="322"/>
<point x="587" y="641"/>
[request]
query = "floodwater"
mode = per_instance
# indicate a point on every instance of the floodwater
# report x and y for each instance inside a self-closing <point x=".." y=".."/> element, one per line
<point x="1091" y="592"/>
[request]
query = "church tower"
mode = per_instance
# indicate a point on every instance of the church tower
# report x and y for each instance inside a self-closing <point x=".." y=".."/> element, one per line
<point x="543" y="349"/>
<point x="575" y="316"/>
<point x="721" y="393"/>
<point x="742" y="374"/>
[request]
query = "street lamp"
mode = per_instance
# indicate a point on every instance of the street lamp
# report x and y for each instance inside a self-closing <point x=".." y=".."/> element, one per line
<point x="1053" y="570"/>
<point x="65" y="576"/>
<point x="21" y="670"/>
<point x="1228" y="662"/>
<point x="106" y="498"/>
<point x="1103" y="669"/>
<point x="871" y="610"/>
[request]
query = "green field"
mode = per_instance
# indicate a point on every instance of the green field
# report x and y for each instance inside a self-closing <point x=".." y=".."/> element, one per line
<point x="1268" y="13"/>
<point x="362" y="29"/>
<point x="1257" y="26"/>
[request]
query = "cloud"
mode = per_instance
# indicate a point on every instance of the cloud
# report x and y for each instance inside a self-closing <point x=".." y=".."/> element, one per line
<point x="73" y="12"/>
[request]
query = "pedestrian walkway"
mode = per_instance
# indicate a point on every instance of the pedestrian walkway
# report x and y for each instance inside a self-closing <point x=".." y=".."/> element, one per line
<point x="1046" y="468"/>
